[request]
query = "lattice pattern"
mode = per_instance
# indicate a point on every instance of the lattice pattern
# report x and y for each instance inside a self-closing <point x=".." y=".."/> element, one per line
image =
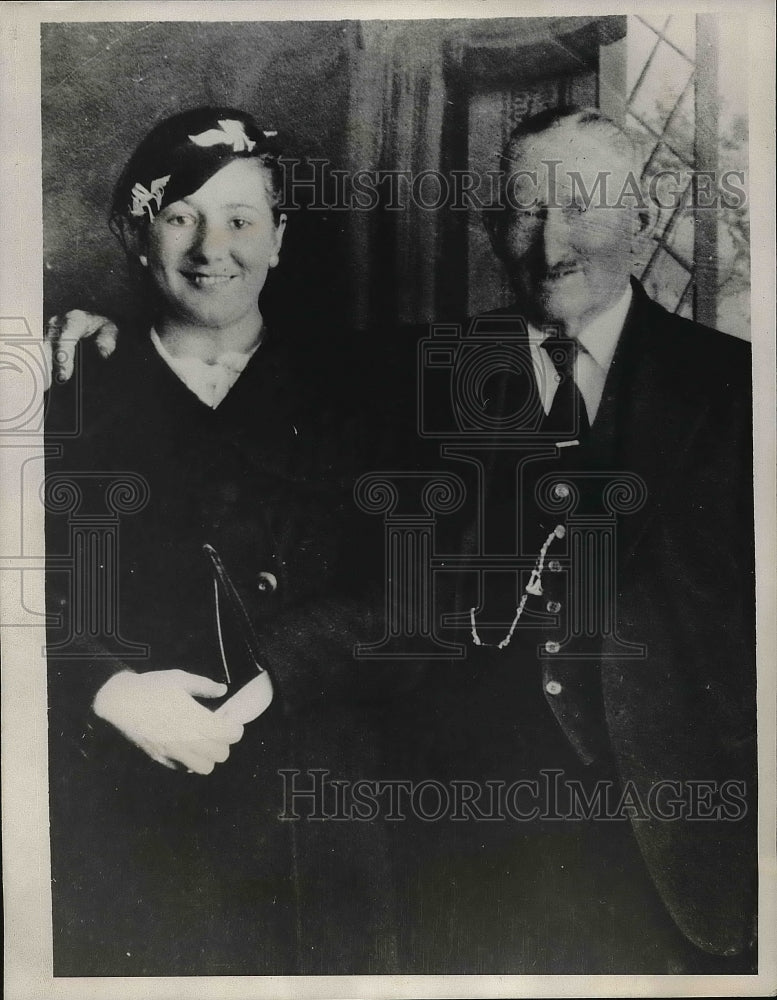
<point x="660" y="106"/>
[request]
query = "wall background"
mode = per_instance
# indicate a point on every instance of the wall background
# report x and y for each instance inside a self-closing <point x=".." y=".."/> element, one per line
<point x="105" y="85"/>
<point x="398" y="95"/>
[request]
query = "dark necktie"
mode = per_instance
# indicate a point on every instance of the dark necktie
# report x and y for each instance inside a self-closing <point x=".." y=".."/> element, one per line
<point x="568" y="417"/>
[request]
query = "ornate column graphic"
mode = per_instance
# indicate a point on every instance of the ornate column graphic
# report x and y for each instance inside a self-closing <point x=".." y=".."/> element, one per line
<point x="93" y="504"/>
<point x="591" y="503"/>
<point x="410" y="503"/>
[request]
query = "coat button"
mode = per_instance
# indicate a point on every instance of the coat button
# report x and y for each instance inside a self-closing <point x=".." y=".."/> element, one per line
<point x="551" y="646"/>
<point x="554" y="566"/>
<point x="561" y="491"/>
<point x="553" y="687"/>
<point x="553" y="607"/>
<point x="267" y="582"/>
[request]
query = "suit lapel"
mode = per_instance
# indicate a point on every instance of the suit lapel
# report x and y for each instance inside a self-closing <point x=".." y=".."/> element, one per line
<point x="655" y="400"/>
<point x="652" y="407"/>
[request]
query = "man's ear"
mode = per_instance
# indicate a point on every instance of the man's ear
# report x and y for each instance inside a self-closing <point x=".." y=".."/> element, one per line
<point x="644" y="224"/>
<point x="647" y="218"/>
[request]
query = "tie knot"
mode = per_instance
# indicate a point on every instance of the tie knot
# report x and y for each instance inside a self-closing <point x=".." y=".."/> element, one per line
<point x="562" y="351"/>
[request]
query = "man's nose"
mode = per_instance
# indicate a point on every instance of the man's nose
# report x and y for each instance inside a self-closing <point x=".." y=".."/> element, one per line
<point x="555" y="236"/>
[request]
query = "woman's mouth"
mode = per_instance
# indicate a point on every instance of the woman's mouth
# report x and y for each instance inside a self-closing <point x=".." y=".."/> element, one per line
<point x="208" y="280"/>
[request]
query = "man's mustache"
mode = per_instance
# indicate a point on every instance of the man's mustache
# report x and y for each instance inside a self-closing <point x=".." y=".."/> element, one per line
<point x="557" y="271"/>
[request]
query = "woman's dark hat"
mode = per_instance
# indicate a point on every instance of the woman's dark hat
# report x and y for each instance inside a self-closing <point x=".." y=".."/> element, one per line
<point x="181" y="154"/>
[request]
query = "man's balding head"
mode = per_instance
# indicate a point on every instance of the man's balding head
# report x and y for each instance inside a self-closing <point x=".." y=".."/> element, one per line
<point x="572" y="210"/>
<point x="624" y="144"/>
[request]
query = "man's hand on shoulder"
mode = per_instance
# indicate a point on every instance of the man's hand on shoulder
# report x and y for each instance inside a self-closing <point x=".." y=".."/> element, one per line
<point x="157" y="711"/>
<point x="63" y="334"/>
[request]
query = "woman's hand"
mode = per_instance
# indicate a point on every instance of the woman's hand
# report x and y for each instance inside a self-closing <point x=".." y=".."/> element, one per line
<point x="157" y="711"/>
<point x="63" y="333"/>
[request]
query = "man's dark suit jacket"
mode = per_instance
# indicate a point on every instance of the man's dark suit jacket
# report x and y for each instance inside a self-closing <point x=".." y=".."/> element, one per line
<point x="676" y="416"/>
<point x="679" y="401"/>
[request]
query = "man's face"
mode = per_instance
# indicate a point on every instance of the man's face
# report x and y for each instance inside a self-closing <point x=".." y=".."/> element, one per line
<point x="210" y="252"/>
<point x="567" y="262"/>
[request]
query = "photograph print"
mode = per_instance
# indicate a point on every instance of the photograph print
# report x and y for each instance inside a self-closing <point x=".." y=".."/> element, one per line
<point x="398" y="489"/>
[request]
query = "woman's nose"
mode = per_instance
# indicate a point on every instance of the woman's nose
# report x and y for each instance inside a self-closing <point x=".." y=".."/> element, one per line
<point x="208" y="243"/>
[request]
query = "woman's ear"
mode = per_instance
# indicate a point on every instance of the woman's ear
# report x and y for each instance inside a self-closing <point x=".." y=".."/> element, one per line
<point x="137" y="245"/>
<point x="280" y="229"/>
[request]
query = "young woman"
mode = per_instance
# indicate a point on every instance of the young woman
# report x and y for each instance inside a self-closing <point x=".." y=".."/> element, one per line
<point x="227" y="565"/>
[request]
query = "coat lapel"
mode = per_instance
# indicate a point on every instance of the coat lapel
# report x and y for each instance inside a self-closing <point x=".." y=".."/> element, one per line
<point x="652" y="407"/>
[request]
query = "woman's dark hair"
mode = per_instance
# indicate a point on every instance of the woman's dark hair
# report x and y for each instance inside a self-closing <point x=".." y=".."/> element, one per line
<point x="179" y="155"/>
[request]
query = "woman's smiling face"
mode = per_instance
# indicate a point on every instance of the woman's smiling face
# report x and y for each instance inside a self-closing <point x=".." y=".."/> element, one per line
<point x="209" y="253"/>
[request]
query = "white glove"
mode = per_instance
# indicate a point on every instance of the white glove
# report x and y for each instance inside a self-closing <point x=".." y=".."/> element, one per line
<point x="250" y="701"/>
<point x="157" y="712"/>
<point x="63" y="333"/>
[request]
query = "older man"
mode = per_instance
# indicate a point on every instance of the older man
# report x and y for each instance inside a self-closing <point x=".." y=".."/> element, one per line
<point x="613" y="655"/>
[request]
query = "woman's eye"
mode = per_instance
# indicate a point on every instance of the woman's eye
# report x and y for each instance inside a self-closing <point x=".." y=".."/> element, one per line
<point x="180" y="220"/>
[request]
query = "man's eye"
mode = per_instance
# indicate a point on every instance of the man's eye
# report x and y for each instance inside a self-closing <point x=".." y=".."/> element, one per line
<point x="239" y="223"/>
<point x="530" y="212"/>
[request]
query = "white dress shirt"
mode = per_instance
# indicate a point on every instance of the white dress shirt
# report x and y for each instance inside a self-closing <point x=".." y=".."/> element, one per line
<point x="209" y="382"/>
<point x="598" y="341"/>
